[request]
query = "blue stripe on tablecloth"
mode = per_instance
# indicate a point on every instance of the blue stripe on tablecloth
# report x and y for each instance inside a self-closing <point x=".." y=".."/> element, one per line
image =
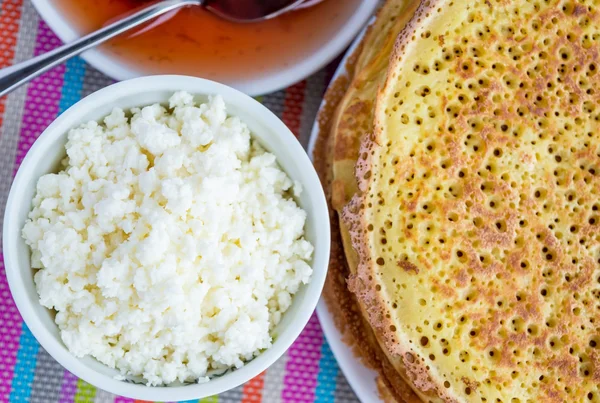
<point x="24" y="367"/>
<point x="71" y="90"/>
<point x="327" y="376"/>
<point x="28" y="346"/>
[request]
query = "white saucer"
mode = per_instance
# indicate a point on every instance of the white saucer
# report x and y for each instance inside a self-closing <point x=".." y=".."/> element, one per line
<point x="285" y="77"/>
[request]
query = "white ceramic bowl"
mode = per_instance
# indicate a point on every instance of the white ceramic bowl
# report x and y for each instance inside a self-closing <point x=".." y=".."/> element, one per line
<point x="44" y="157"/>
<point x="285" y="77"/>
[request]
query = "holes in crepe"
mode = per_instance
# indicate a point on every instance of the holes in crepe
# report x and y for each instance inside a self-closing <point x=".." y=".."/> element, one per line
<point x="494" y="354"/>
<point x="424" y="70"/>
<point x="501" y="225"/>
<point x="446" y="350"/>
<point x="452" y="217"/>
<point x="533" y="330"/>
<point x="586" y="370"/>
<point x="423" y="91"/>
<point x="540" y="193"/>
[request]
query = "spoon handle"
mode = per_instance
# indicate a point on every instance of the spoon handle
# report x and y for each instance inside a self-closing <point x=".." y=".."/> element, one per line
<point x="18" y="74"/>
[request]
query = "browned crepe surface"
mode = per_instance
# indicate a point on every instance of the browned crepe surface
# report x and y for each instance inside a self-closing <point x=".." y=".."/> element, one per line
<point x="477" y="228"/>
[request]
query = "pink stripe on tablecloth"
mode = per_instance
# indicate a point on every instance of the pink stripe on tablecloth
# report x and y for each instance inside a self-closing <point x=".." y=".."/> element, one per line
<point x="303" y="364"/>
<point x="43" y="96"/>
<point x="10" y="321"/>
<point x="121" y="399"/>
<point x="41" y="106"/>
<point x="69" y="388"/>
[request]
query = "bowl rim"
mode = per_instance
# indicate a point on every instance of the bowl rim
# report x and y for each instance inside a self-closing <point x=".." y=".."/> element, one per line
<point x="55" y="347"/>
<point x="117" y="70"/>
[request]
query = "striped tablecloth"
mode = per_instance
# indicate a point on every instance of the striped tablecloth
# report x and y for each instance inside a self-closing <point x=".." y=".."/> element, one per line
<point x="307" y="373"/>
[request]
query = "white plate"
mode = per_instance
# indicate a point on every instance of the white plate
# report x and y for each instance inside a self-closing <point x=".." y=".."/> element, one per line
<point x="362" y="379"/>
<point x="257" y="85"/>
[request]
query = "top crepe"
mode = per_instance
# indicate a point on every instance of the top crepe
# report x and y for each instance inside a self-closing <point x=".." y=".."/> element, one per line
<point x="477" y="224"/>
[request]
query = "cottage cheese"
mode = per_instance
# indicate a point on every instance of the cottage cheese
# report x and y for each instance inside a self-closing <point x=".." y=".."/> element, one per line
<point x="170" y="244"/>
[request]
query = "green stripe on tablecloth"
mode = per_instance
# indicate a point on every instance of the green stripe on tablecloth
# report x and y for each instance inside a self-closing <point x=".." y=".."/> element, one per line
<point x="210" y="399"/>
<point x="85" y="392"/>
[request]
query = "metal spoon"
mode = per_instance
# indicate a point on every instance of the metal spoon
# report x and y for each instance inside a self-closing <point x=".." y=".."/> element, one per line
<point x="233" y="10"/>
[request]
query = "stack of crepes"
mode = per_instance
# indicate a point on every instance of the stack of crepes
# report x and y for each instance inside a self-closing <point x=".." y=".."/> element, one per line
<point x="461" y="158"/>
